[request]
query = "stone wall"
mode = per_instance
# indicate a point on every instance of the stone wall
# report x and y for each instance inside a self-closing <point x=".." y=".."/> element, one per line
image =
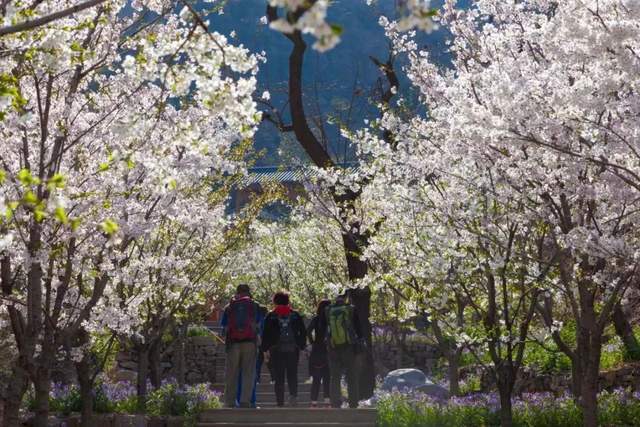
<point x="203" y="362"/>
<point x="414" y="354"/>
<point x="529" y="381"/>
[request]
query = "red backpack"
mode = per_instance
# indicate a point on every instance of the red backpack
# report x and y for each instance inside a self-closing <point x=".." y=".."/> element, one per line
<point x="242" y="314"/>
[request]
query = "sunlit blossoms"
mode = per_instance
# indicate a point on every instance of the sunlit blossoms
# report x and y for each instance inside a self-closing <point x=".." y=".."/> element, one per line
<point x="111" y="127"/>
<point x="526" y="160"/>
<point x="309" y="17"/>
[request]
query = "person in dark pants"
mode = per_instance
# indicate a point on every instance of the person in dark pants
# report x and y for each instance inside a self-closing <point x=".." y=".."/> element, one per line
<point x="283" y="337"/>
<point x="318" y="359"/>
<point x="344" y="339"/>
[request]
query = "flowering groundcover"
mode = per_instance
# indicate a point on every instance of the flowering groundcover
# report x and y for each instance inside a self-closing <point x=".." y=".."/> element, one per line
<point x="169" y="399"/>
<point x="617" y="408"/>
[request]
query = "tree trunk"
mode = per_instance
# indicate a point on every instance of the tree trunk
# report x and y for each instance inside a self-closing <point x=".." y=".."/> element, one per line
<point x="453" y="371"/>
<point x="589" y="345"/>
<point x="589" y="400"/>
<point x="15" y="391"/>
<point x="576" y="379"/>
<point x="42" y="386"/>
<point x="155" y="368"/>
<point x="361" y="299"/>
<point x="83" y="369"/>
<point x="625" y="332"/>
<point x="143" y="373"/>
<point x="179" y="370"/>
<point x="506" y="413"/>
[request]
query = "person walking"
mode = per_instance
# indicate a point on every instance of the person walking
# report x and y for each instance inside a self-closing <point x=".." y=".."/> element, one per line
<point x="240" y="326"/>
<point x="344" y="340"/>
<point x="262" y="312"/>
<point x="284" y="336"/>
<point x="318" y="359"/>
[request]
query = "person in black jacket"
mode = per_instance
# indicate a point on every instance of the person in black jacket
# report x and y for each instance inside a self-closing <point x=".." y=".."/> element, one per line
<point x="344" y="342"/>
<point x="319" y="360"/>
<point x="283" y="337"/>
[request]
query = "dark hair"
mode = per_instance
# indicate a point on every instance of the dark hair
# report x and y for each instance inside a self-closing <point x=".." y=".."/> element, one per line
<point x="281" y="298"/>
<point x="243" y="288"/>
<point x="321" y="321"/>
<point x="322" y="306"/>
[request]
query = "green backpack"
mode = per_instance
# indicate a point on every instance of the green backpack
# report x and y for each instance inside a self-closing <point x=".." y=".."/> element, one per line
<point x="340" y="322"/>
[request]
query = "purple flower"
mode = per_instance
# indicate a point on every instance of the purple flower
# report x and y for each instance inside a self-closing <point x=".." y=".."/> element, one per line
<point x="61" y="391"/>
<point x="119" y="391"/>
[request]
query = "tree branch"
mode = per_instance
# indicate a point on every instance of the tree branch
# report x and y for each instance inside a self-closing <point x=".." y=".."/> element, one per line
<point x="38" y="22"/>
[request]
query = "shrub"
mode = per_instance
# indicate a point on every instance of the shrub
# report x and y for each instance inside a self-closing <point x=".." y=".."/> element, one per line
<point x="64" y="399"/>
<point x="198" y="331"/>
<point x="188" y="401"/>
<point x="121" y="397"/>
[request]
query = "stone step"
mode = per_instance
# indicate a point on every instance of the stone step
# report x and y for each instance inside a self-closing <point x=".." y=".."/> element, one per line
<point x="294" y="424"/>
<point x="293" y="416"/>
<point x="266" y="387"/>
<point x="273" y="405"/>
<point x="265" y="378"/>
<point x="304" y="397"/>
<point x="271" y="398"/>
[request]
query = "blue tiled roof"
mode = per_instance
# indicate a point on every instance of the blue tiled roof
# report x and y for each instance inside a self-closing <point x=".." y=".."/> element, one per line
<point x="275" y="174"/>
<point x="263" y="175"/>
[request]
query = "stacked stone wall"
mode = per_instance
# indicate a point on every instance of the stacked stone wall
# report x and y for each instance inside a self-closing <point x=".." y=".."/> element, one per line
<point x="203" y="361"/>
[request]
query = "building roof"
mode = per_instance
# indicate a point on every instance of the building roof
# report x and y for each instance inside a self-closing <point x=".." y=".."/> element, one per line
<point x="280" y="174"/>
<point x="273" y="174"/>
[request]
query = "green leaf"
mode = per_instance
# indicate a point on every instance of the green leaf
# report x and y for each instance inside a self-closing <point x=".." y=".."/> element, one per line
<point x="30" y="198"/>
<point x="61" y="215"/>
<point x="39" y="215"/>
<point x="56" y="181"/>
<point x="76" y="47"/>
<point x="11" y="207"/>
<point x="103" y="167"/>
<point x="110" y="227"/>
<point x="75" y="223"/>
<point x="25" y="177"/>
<point x="3" y="176"/>
<point x="337" y="30"/>
<point x="430" y="14"/>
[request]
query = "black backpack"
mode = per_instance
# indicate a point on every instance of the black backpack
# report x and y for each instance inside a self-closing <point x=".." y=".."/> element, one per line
<point x="287" y="338"/>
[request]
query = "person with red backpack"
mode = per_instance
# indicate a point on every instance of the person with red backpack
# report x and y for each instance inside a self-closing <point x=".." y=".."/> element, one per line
<point x="240" y="322"/>
<point x="284" y="336"/>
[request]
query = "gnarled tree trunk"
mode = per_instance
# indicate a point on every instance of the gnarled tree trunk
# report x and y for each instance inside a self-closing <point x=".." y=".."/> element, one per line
<point x="83" y="368"/>
<point x="16" y="389"/>
<point x="625" y="332"/>
<point x="42" y="386"/>
<point x="155" y="360"/>
<point x="143" y="374"/>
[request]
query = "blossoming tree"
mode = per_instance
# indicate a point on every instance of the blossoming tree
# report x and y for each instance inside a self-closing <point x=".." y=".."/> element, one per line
<point x="109" y="115"/>
<point x="541" y="98"/>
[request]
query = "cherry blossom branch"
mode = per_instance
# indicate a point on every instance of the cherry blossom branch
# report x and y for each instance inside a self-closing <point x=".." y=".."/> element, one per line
<point x="43" y="20"/>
